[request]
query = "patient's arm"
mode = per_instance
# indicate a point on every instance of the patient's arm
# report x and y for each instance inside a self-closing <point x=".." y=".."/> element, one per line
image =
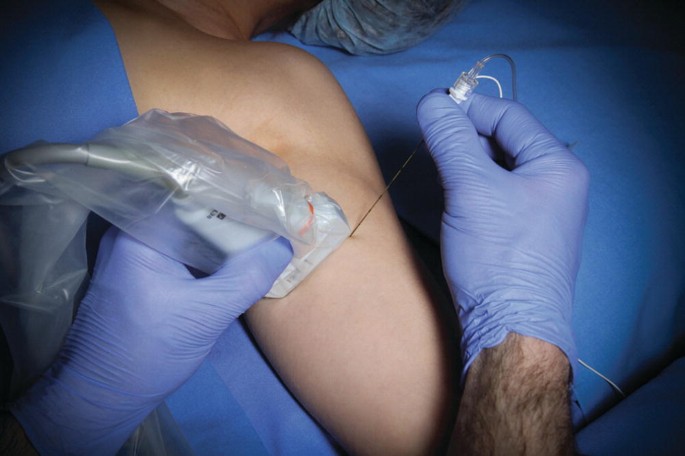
<point x="362" y="343"/>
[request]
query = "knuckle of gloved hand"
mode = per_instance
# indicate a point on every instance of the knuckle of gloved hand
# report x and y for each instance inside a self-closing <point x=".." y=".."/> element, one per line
<point x="575" y="177"/>
<point x="576" y="170"/>
<point x="484" y="105"/>
<point x="516" y="114"/>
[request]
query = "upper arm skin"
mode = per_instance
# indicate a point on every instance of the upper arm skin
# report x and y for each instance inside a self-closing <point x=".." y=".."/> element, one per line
<point x="362" y="342"/>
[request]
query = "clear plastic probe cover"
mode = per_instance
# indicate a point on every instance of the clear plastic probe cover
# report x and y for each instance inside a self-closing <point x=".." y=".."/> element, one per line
<point x="191" y="188"/>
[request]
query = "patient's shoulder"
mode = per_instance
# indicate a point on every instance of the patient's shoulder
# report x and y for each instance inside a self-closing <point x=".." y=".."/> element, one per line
<point x="171" y="65"/>
<point x="275" y="95"/>
<point x="300" y="92"/>
<point x="284" y="57"/>
<point x="300" y="112"/>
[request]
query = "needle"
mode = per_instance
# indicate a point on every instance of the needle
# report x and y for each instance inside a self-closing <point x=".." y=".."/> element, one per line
<point x="392" y="181"/>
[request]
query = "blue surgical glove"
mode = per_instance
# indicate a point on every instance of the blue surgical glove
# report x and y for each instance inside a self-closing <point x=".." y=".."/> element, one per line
<point x="144" y="327"/>
<point x="511" y="238"/>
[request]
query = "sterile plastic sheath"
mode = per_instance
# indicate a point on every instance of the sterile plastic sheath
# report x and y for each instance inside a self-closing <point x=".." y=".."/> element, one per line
<point x="189" y="187"/>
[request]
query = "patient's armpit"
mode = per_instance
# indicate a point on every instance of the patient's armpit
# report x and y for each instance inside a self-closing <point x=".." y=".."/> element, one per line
<point x="363" y="342"/>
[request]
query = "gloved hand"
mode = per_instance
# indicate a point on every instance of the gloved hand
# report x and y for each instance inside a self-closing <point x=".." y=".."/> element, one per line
<point x="143" y="328"/>
<point x="511" y="239"/>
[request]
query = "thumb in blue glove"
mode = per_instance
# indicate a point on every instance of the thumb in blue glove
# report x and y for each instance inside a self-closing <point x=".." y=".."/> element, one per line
<point x="144" y="327"/>
<point x="510" y="239"/>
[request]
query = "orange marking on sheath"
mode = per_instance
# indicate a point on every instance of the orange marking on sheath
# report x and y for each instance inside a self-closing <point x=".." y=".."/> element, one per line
<point x="309" y="222"/>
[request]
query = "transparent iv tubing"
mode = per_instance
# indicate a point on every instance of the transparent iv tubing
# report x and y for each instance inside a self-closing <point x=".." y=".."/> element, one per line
<point x="464" y="86"/>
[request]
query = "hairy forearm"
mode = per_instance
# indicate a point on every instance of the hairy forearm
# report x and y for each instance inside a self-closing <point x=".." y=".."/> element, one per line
<point x="516" y="401"/>
<point x="13" y="440"/>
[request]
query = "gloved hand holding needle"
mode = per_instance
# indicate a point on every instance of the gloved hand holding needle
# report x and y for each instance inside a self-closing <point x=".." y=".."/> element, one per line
<point x="143" y="328"/>
<point x="511" y="242"/>
<point x="510" y="239"/>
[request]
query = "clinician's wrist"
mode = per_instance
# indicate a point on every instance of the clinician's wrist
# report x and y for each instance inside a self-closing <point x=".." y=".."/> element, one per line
<point x="518" y="355"/>
<point x="557" y="333"/>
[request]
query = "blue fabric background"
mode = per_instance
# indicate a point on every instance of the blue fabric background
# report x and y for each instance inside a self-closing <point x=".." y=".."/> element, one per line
<point x="605" y="79"/>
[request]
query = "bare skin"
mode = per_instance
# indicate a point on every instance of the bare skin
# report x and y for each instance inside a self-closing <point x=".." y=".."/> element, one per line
<point x="516" y="402"/>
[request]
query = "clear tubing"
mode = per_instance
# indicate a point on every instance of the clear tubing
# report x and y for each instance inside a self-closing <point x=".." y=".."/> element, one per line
<point x="512" y="64"/>
<point x="464" y="86"/>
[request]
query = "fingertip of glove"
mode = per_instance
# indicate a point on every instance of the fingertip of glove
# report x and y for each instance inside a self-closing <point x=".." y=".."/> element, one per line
<point x="437" y="103"/>
<point x="257" y="268"/>
<point x="431" y="97"/>
<point x="272" y="256"/>
<point x="281" y="252"/>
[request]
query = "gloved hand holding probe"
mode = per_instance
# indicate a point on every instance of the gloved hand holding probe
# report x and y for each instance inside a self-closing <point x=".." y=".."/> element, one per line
<point x="143" y="328"/>
<point x="511" y="239"/>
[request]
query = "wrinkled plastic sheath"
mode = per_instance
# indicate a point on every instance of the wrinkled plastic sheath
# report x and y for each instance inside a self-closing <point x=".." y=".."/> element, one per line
<point x="231" y="208"/>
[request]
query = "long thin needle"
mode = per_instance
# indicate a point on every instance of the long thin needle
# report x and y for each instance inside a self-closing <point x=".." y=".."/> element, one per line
<point x="387" y="187"/>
